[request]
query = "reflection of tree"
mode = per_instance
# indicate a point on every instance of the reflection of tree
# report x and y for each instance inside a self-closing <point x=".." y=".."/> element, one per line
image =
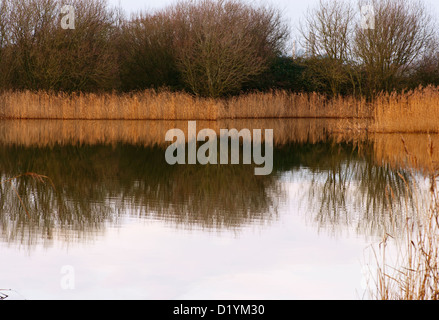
<point x="98" y="184"/>
<point x="348" y="188"/>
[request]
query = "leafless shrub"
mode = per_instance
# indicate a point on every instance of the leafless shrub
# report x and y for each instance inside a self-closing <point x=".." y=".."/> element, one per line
<point x="403" y="29"/>
<point x="39" y="54"/>
<point x="222" y="44"/>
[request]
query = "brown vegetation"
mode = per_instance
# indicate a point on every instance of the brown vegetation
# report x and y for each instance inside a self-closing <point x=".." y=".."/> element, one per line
<point x="223" y="44"/>
<point x="347" y="54"/>
<point x="411" y="111"/>
<point x="148" y="104"/>
<point x="166" y="105"/>
<point x="408" y="258"/>
<point x="208" y="47"/>
<point x="36" y="53"/>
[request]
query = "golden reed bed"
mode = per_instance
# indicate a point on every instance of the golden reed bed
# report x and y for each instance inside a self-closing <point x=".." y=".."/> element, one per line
<point x="165" y="105"/>
<point x="412" y="111"/>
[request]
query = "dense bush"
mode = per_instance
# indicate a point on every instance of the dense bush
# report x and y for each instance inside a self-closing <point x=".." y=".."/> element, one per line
<point x="36" y="53"/>
<point x="147" y="53"/>
<point x="346" y="56"/>
<point x="283" y="73"/>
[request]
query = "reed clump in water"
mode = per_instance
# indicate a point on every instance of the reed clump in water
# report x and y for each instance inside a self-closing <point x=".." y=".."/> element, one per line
<point x="412" y="111"/>
<point x="411" y="270"/>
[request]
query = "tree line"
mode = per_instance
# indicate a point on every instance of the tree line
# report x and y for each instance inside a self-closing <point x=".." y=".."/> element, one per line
<point x="216" y="48"/>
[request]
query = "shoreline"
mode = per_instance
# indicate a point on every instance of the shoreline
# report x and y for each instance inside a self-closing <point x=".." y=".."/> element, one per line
<point x="195" y="119"/>
<point x="412" y="111"/>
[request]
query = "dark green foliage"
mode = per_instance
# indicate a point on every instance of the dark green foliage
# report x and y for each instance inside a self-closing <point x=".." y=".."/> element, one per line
<point x="284" y="73"/>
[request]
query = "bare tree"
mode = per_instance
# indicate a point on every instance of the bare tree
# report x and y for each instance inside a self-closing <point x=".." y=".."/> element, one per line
<point x="327" y="29"/>
<point x="327" y="33"/>
<point x="402" y="30"/>
<point x="42" y="55"/>
<point x="222" y="44"/>
<point x="4" y="42"/>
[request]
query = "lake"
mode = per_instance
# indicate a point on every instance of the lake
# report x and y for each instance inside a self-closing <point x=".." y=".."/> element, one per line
<point x="111" y="219"/>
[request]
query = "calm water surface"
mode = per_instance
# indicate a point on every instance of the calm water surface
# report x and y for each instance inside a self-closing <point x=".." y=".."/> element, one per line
<point x="129" y="226"/>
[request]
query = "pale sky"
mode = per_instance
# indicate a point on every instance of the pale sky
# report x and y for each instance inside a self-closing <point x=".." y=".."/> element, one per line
<point x="293" y="9"/>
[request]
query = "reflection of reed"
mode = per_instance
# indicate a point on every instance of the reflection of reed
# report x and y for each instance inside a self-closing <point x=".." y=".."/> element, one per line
<point x="410" y="151"/>
<point x="411" y="270"/>
<point x="149" y="133"/>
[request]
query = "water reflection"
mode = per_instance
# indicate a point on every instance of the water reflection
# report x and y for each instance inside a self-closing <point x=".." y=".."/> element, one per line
<point x="97" y="184"/>
<point x="104" y="170"/>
